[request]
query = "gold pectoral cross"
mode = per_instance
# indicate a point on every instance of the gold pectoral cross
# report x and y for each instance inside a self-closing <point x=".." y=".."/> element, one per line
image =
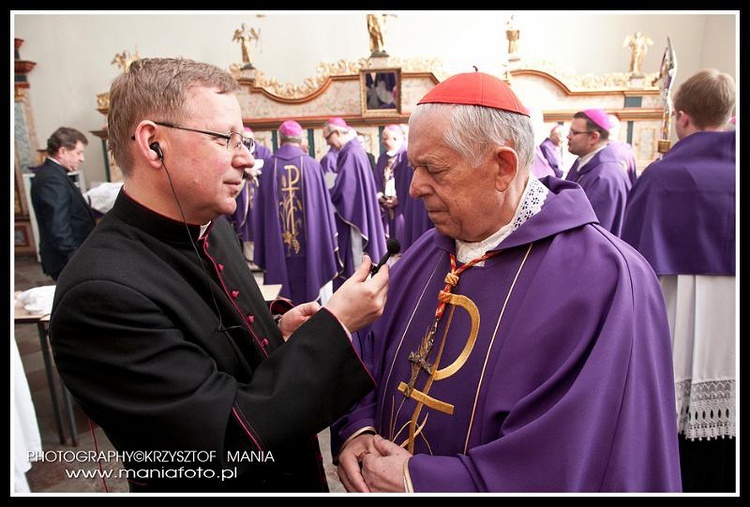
<point x="418" y="360"/>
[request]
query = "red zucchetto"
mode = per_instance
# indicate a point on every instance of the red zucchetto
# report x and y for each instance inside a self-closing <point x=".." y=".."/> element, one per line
<point x="475" y="89"/>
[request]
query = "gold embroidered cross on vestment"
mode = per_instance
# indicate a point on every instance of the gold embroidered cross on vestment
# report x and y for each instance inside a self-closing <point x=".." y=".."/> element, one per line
<point x="419" y="359"/>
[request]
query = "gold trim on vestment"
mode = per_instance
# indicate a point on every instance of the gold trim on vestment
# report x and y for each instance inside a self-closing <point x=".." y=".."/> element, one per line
<point x="492" y="341"/>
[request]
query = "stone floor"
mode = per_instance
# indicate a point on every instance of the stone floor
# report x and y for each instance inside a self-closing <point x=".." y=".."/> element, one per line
<point x="55" y="477"/>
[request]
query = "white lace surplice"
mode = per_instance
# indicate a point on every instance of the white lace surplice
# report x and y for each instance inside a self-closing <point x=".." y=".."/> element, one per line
<point x="702" y="313"/>
<point x="531" y="203"/>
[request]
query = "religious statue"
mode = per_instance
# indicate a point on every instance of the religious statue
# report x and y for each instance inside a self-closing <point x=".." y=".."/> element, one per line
<point x="376" y="28"/>
<point x="245" y="36"/>
<point x="667" y="72"/>
<point x="125" y="59"/>
<point x="513" y="34"/>
<point x="638" y="44"/>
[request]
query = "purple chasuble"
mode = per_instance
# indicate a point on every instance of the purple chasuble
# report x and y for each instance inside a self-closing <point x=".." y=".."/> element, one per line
<point x="355" y="200"/>
<point x="681" y="211"/>
<point x="552" y="154"/>
<point x="567" y="384"/>
<point x="295" y="240"/>
<point x="540" y="167"/>
<point x="606" y="186"/>
<point x="242" y="218"/>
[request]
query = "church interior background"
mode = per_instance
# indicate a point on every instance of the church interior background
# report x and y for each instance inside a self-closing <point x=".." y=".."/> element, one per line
<point x="255" y="48"/>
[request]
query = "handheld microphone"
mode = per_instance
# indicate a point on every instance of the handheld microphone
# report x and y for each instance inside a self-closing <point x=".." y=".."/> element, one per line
<point x="393" y="247"/>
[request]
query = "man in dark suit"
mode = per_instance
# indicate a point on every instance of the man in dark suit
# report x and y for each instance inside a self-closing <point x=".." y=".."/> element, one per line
<point x="63" y="215"/>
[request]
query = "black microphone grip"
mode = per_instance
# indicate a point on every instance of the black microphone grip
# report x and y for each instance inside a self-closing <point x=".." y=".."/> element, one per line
<point x="393" y="247"/>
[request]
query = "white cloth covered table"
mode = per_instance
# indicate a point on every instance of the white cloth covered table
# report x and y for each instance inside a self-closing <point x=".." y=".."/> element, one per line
<point x="24" y="426"/>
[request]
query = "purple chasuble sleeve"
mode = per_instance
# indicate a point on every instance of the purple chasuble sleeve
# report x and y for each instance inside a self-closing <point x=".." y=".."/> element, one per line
<point x="328" y="161"/>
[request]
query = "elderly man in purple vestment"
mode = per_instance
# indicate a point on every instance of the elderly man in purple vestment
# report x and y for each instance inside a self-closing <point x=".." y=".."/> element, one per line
<point x="404" y="217"/>
<point x="392" y="179"/>
<point x="551" y="146"/>
<point x="623" y="149"/>
<point x="416" y="220"/>
<point x="523" y="347"/>
<point x="355" y="200"/>
<point x="540" y="167"/>
<point x="295" y="234"/>
<point x="597" y="169"/>
<point x="681" y="216"/>
<point x="242" y="218"/>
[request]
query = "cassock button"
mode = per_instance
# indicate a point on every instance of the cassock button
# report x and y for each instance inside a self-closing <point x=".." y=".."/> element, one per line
<point x="264" y="342"/>
<point x="250" y="319"/>
<point x="221" y="267"/>
<point x="235" y="294"/>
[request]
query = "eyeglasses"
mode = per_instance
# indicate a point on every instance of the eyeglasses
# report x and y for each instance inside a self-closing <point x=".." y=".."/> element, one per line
<point x="235" y="140"/>
<point x="330" y="134"/>
<point x="575" y="133"/>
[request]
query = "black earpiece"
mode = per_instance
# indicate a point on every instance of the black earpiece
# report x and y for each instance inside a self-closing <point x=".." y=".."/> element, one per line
<point x="155" y="146"/>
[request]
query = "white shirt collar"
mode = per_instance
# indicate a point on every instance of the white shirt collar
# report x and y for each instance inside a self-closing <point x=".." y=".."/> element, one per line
<point x="204" y="228"/>
<point x="582" y="161"/>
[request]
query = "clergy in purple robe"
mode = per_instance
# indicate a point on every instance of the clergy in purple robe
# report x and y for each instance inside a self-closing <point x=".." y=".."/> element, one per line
<point x="355" y="200"/>
<point x="392" y="179"/>
<point x="597" y="169"/>
<point x="540" y="167"/>
<point x="415" y="219"/>
<point x="623" y="150"/>
<point x="551" y="149"/>
<point x="242" y="219"/>
<point x="681" y="215"/>
<point x="523" y="347"/>
<point x="295" y="240"/>
<point x="681" y="210"/>
<point x="626" y="157"/>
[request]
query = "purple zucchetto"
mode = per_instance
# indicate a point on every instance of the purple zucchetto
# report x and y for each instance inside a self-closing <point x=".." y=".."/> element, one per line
<point x="338" y="121"/>
<point x="599" y="117"/>
<point x="291" y="128"/>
